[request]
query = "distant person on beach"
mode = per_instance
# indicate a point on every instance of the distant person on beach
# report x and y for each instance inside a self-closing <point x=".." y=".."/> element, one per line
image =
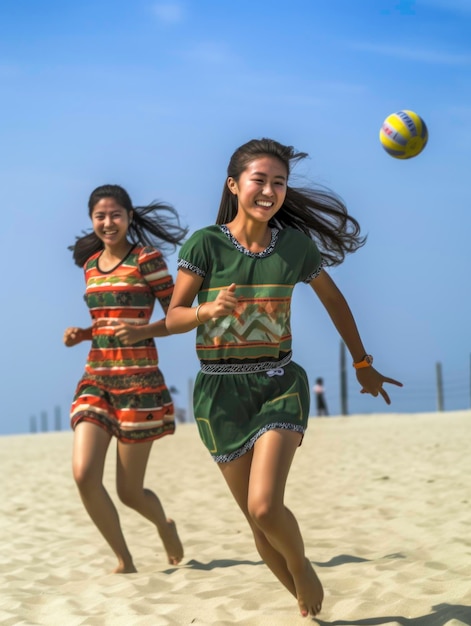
<point x="319" y="392"/>
<point x="251" y="400"/>
<point x="122" y="393"/>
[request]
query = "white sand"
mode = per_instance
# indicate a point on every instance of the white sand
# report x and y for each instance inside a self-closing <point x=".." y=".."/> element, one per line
<point x="384" y="504"/>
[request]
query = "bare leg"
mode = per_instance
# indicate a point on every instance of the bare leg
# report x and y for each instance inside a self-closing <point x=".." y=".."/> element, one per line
<point x="262" y="484"/>
<point x="237" y="476"/>
<point x="89" y="452"/>
<point x="131" y="467"/>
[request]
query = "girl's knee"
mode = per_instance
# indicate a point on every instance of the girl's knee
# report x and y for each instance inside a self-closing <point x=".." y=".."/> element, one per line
<point x="85" y="476"/>
<point x="129" y="496"/>
<point x="263" y="513"/>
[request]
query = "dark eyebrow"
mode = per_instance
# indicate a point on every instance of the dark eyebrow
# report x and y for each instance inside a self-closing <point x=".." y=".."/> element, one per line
<point x="263" y="174"/>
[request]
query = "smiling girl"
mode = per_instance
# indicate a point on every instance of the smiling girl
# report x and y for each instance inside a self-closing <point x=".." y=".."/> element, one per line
<point x="122" y="392"/>
<point x="251" y="400"/>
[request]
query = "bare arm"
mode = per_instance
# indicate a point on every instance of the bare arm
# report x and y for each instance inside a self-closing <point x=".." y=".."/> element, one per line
<point x="132" y="333"/>
<point x="181" y="314"/>
<point x="337" y="307"/>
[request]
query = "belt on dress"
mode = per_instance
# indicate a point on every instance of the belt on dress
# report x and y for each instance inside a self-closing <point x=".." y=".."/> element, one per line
<point x="244" y="368"/>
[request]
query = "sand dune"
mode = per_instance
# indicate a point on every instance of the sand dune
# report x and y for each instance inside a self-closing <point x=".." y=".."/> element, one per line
<point x="384" y="504"/>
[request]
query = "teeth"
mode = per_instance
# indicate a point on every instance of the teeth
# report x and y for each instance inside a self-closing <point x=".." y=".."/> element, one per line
<point x="262" y="203"/>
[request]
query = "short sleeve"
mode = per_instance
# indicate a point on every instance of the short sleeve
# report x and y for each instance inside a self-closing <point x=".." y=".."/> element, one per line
<point x="195" y="253"/>
<point x="314" y="274"/>
<point x="304" y="253"/>
<point x="155" y="273"/>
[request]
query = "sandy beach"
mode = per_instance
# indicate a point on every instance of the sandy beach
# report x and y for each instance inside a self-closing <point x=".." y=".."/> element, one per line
<point x="383" y="501"/>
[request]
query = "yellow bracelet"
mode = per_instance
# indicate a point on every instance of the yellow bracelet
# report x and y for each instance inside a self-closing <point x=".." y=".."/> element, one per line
<point x="198" y="313"/>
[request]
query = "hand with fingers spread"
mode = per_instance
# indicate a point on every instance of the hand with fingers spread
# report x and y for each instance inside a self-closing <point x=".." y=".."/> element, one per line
<point x="372" y="381"/>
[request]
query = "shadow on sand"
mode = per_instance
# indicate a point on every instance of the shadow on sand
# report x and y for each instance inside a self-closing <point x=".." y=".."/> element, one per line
<point x="214" y="564"/>
<point x="441" y="614"/>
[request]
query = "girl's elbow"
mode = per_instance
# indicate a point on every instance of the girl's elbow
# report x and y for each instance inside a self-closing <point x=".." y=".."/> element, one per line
<point x="169" y="325"/>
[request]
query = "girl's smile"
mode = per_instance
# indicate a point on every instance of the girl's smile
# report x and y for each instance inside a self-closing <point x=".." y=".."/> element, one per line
<point x="260" y="189"/>
<point x="110" y="221"/>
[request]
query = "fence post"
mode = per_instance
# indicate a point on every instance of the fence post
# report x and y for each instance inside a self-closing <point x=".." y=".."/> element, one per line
<point x="57" y="418"/>
<point x="438" y="369"/>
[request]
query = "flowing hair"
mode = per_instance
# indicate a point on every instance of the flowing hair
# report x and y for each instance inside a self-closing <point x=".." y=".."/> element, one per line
<point x="318" y="212"/>
<point x="156" y="224"/>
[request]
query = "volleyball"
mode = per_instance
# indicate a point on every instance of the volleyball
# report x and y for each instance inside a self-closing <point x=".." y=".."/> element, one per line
<point x="403" y="134"/>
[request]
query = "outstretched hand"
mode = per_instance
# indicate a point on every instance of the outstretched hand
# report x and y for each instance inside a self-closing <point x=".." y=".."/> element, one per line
<point x="372" y="381"/>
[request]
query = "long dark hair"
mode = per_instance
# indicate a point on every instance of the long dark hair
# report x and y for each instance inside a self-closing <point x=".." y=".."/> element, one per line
<point x="148" y="227"/>
<point x="318" y="212"/>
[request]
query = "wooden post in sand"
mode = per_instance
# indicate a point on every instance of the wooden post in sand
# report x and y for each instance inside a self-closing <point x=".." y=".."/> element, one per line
<point x="343" y="380"/>
<point x="440" y="404"/>
<point x="57" y="418"/>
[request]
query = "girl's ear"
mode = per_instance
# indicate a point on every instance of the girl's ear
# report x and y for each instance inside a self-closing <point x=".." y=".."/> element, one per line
<point x="130" y="215"/>
<point x="232" y="185"/>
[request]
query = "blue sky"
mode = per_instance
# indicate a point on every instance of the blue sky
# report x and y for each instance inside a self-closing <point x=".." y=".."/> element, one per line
<point x="156" y="96"/>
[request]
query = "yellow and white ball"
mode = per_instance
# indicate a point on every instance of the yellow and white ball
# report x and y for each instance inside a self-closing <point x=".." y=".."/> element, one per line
<point x="403" y="134"/>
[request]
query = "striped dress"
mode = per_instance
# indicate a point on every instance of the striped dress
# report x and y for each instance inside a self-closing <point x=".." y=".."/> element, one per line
<point x="122" y="389"/>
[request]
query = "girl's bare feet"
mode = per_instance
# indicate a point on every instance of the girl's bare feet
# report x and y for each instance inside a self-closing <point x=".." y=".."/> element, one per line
<point x="309" y="591"/>
<point x="125" y="568"/>
<point x="172" y="543"/>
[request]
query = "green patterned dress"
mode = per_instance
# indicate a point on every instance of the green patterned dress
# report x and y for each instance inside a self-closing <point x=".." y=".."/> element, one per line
<point x="248" y="383"/>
